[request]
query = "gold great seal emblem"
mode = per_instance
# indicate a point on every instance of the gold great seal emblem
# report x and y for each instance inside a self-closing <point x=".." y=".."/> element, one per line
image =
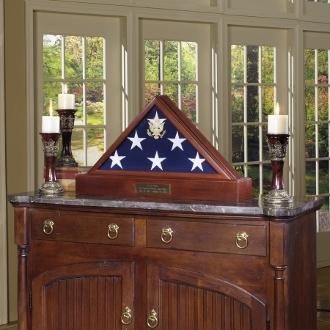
<point x="156" y="127"/>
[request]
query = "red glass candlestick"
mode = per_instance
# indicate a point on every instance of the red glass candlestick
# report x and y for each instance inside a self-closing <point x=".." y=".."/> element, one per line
<point x="67" y="117"/>
<point x="50" y="186"/>
<point x="277" y="144"/>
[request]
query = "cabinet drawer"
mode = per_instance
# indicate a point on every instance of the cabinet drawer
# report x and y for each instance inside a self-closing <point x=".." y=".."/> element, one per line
<point x="82" y="227"/>
<point x="207" y="237"/>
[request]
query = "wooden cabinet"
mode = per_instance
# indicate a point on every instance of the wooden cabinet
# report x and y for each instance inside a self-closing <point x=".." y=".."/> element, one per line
<point x="108" y="268"/>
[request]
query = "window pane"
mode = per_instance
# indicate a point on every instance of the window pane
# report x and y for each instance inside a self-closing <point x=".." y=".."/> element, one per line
<point x="309" y="66"/>
<point x="323" y="140"/>
<point x="310" y="141"/>
<point x="267" y="64"/>
<point x="253" y="143"/>
<point x="324" y="177"/>
<point x="237" y="104"/>
<point x="265" y="149"/>
<point x="94" y="57"/>
<point x="237" y="64"/>
<point x="252" y="56"/>
<point x="171" y="90"/>
<point x="95" y="103"/>
<point x="95" y="145"/>
<point x="77" y="90"/>
<point x="267" y="177"/>
<point x="188" y="60"/>
<point x="77" y="146"/>
<point x="322" y="58"/>
<point x="310" y="103"/>
<point x="253" y="173"/>
<point x="51" y="91"/>
<point x="152" y="59"/>
<point x="237" y="144"/>
<point x="267" y="102"/>
<point x="73" y="57"/>
<point x="252" y="103"/>
<point x="171" y="60"/>
<point x="150" y="91"/>
<point x="188" y="99"/>
<point x="310" y="178"/>
<point x="52" y="45"/>
<point x="323" y="103"/>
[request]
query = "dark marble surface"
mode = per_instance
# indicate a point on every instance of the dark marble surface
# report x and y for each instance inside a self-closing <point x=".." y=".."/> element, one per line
<point x="254" y="207"/>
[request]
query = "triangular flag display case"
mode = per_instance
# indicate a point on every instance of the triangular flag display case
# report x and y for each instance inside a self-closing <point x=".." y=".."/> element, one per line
<point x="163" y="156"/>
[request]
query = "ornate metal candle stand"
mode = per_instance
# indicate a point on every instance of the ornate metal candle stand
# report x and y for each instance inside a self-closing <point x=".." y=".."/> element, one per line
<point x="277" y="196"/>
<point x="50" y="186"/>
<point x="67" y="117"/>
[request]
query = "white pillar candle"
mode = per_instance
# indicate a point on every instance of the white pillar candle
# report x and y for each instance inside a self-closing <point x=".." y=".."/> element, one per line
<point x="65" y="100"/>
<point x="278" y="124"/>
<point x="50" y="124"/>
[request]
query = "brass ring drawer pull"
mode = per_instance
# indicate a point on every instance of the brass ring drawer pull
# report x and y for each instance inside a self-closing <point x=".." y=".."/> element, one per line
<point x="126" y="316"/>
<point x="152" y="320"/>
<point x="48" y="226"/>
<point x="167" y="235"/>
<point x="242" y="240"/>
<point x="113" y="230"/>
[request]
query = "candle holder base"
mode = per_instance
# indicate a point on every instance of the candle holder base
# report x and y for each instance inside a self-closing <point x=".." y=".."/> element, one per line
<point x="51" y="188"/>
<point x="279" y="198"/>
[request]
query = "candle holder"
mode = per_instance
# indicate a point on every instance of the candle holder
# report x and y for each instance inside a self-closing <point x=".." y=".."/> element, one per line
<point x="67" y="117"/>
<point x="277" y="196"/>
<point x="50" y="186"/>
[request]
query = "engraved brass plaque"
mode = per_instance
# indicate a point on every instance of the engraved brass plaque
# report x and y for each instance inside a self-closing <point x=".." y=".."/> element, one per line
<point x="153" y="188"/>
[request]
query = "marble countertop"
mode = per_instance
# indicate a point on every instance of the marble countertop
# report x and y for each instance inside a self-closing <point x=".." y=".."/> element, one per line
<point x="252" y="208"/>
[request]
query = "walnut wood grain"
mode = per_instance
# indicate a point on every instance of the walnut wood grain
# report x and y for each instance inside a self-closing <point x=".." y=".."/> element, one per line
<point x="199" y="281"/>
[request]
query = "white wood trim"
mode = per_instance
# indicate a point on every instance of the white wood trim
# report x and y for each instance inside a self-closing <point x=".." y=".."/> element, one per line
<point x="3" y="203"/>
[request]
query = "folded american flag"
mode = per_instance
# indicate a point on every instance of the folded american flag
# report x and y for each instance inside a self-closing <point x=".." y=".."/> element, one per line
<point x="156" y="145"/>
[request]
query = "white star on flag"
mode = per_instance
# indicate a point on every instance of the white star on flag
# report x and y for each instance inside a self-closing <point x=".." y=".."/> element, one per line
<point x="197" y="162"/>
<point x="136" y="141"/>
<point x="177" y="142"/>
<point x="156" y="119"/>
<point x="116" y="160"/>
<point x="156" y="161"/>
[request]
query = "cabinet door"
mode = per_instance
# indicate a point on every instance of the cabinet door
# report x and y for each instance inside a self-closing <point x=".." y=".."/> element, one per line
<point x="184" y="300"/>
<point x="96" y="296"/>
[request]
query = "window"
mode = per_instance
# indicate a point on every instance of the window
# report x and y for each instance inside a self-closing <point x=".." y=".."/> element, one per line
<point x="173" y="53"/>
<point x="317" y="67"/>
<point x="255" y="66"/>
<point x="78" y="62"/>
<point x="84" y="53"/>
<point x="171" y="69"/>
<point x="317" y="120"/>
<point x="252" y="99"/>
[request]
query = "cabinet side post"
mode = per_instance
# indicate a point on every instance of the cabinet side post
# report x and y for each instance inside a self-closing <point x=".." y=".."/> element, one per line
<point x="277" y="262"/>
<point x="22" y="241"/>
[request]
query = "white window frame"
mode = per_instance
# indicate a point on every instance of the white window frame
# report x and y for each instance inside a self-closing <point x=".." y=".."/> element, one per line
<point x="84" y="25"/>
<point x="194" y="32"/>
<point x="3" y="202"/>
<point x="255" y="36"/>
<point x="316" y="40"/>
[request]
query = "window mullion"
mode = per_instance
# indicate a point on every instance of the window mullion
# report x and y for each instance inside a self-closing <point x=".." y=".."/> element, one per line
<point x="260" y="98"/>
<point x="161" y="64"/>
<point x="179" y="52"/>
<point x="245" y="114"/>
